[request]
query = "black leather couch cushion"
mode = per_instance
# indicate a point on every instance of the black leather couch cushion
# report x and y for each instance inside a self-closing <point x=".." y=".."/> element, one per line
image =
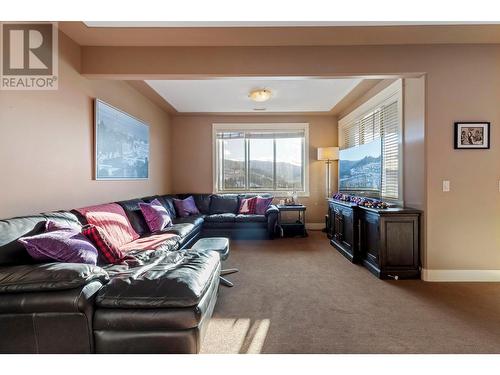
<point x="250" y="219"/>
<point x="186" y="242"/>
<point x="221" y="218"/>
<point x="202" y="202"/>
<point x="48" y="277"/>
<point x="182" y="230"/>
<point x="11" y="251"/>
<point x="135" y="216"/>
<point x="224" y="203"/>
<point x="164" y="281"/>
<point x="168" y="203"/>
<point x="62" y="301"/>
<point x="196" y="220"/>
<point x="158" y="319"/>
<point x="64" y="217"/>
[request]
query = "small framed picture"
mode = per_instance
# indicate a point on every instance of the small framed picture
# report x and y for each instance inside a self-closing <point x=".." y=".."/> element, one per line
<point x="472" y="135"/>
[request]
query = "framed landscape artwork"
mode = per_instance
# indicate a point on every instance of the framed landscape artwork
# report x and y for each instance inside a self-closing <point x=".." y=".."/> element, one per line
<point x="472" y="135"/>
<point x="121" y="145"/>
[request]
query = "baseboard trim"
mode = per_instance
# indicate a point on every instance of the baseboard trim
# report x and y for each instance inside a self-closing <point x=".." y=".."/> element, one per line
<point x="315" y="226"/>
<point x="461" y="275"/>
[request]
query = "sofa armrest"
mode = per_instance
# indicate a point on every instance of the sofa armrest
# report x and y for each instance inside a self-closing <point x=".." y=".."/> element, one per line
<point x="272" y="209"/>
<point x="272" y="220"/>
<point x="49" y="277"/>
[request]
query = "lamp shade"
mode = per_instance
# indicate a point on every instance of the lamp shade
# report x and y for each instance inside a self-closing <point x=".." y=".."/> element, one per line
<point x="328" y="153"/>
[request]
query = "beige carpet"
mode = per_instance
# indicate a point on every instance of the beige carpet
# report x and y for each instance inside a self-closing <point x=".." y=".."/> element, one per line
<point x="301" y="296"/>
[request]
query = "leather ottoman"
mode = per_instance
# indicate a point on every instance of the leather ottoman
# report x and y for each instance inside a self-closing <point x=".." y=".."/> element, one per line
<point x="221" y="246"/>
<point x="162" y="306"/>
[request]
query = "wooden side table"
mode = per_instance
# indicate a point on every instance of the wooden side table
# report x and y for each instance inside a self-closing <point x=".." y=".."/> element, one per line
<point x="292" y="228"/>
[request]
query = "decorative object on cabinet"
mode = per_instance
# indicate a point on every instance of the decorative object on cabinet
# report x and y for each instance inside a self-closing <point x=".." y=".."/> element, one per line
<point x="360" y="201"/>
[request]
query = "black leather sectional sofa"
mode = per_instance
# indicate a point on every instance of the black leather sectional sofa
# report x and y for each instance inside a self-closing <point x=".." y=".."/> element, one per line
<point x="218" y="217"/>
<point x="161" y="304"/>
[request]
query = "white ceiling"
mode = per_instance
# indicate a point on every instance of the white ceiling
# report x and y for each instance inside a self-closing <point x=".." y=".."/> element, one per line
<point x="231" y="94"/>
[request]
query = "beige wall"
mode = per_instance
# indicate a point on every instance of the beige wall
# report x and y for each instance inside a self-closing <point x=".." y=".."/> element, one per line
<point x="192" y="157"/>
<point x="462" y="84"/>
<point x="46" y="143"/>
<point x="414" y="142"/>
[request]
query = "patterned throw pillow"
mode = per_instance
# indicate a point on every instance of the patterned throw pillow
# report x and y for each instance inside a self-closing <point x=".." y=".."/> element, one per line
<point x="156" y="215"/>
<point x="108" y="251"/>
<point x="248" y="206"/>
<point x="262" y="205"/>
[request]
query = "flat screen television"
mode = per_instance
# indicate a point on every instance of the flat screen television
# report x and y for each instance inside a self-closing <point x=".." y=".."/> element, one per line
<point x="360" y="169"/>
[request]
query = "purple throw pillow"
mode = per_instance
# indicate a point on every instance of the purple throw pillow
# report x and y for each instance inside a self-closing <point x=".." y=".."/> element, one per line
<point x="66" y="245"/>
<point x="156" y="215"/>
<point x="262" y="205"/>
<point x="186" y="207"/>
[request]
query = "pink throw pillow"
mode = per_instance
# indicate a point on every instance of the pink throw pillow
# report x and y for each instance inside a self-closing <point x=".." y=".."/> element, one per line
<point x="262" y="205"/>
<point x="156" y="215"/>
<point x="113" y="220"/>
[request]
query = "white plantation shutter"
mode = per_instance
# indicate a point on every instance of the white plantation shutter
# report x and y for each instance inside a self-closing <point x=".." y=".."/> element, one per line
<point x="390" y="132"/>
<point x="351" y="134"/>
<point x="382" y="120"/>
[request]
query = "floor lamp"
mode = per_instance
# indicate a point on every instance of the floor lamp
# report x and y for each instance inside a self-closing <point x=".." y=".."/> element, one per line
<point x="328" y="154"/>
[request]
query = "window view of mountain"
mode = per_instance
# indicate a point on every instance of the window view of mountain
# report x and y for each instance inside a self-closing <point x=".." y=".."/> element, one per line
<point x="261" y="162"/>
<point x="288" y="175"/>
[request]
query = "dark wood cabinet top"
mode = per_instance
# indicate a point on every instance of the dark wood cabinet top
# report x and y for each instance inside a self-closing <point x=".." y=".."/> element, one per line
<point x="392" y="210"/>
<point x="343" y="203"/>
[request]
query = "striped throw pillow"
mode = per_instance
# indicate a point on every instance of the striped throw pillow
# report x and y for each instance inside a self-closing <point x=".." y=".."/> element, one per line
<point x="247" y="206"/>
<point x="108" y="251"/>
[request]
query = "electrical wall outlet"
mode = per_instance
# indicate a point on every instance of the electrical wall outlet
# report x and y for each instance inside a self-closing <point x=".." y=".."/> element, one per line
<point x="446" y="186"/>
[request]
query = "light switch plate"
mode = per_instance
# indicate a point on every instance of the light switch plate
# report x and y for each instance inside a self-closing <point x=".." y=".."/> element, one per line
<point x="446" y="186"/>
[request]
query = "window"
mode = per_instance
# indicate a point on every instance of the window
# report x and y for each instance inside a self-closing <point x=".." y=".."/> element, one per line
<point x="380" y="117"/>
<point x="260" y="157"/>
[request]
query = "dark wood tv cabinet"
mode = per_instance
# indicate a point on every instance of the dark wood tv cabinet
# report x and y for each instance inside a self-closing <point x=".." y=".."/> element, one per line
<point x="386" y="241"/>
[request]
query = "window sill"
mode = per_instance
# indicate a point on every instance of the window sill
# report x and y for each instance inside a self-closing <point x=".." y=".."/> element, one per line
<point x="275" y="194"/>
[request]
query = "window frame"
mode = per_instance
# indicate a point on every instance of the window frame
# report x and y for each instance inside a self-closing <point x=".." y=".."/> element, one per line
<point x="216" y="167"/>
<point x="392" y="93"/>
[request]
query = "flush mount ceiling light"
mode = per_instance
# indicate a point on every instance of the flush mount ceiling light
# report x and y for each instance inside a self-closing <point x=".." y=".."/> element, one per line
<point x="260" y="95"/>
